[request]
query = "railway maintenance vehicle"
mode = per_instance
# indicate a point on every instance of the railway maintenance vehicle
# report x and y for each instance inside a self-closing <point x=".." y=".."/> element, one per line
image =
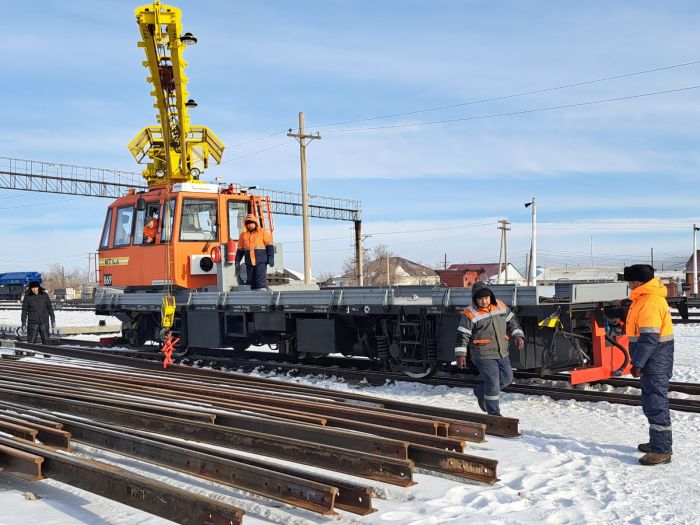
<point x="184" y="291"/>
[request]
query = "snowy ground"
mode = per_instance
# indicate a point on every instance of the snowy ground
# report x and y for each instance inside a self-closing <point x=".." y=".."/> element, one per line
<point x="575" y="463"/>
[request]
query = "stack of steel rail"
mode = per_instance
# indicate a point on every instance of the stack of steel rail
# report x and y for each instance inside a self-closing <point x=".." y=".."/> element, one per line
<point x="173" y="418"/>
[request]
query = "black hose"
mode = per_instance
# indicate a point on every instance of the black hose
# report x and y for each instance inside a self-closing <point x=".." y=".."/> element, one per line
<point x="625" y="353"/>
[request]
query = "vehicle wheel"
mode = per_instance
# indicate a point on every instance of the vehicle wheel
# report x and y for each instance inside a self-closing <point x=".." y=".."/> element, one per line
<point x="428" y="372"/>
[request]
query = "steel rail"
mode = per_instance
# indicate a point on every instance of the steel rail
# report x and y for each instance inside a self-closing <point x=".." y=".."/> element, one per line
<point x="313" y="496"/>
<point x="312" y="434"/>
<point x="389" y="470"/>
<point x="160" y="499"/>
<point x="420" y="431"/>
<point x="435" y="453"/>
<point x="270" y="425"/>
<point x="461" y="423"/>
<point x="352" y="497"/>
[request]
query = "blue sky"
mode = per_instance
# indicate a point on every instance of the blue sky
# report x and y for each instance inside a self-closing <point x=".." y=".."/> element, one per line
<point x="620" y="176"/>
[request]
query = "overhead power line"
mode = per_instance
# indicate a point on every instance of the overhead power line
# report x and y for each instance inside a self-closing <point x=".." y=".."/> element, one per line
<point x="515" y="95"/>
<point x="255" y="152"/>
<point x="520" y="112"/>
<point x="469" y="103"/>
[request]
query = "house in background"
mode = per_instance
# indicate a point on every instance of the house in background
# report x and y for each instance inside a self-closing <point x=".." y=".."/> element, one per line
<point x="401" y="272"/>
<point x="465" y="275"/>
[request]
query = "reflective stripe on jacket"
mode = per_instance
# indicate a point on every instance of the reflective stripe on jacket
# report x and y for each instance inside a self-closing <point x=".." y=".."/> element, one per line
<point x="485" y="330"/>
<point x="649" y="329"/>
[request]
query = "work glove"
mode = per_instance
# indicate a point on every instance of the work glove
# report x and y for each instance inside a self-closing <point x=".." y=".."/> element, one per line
<point x="271" y="262"/>
<point x="461" y="361"/>
<point x="520" y="343"/>
<point x="24" y="327"/>
<point x="53" y="324"/>
<point x="636" y="371"/>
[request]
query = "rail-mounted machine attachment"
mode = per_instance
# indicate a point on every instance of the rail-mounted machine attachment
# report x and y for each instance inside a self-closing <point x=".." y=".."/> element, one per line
<point x="174" y="150"/>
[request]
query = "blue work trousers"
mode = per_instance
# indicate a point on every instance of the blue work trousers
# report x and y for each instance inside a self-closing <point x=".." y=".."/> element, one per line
<point x="496" y="374"/>
<point x="257" y="276"/>
<point x="655" y="407"/>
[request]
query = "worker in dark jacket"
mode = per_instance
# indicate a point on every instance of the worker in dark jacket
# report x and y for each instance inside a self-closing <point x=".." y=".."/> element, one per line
<point x="485" y="328"/>
<point x="37" y="311"/>
<point x="650" y="334"/>
<point x="255" y="244"/>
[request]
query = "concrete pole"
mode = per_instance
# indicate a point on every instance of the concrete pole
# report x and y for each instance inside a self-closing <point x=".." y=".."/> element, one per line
<point x="305" y="202"/>
<point x="533" y="246"/>
<point x="500" y="254"/>
<point x="505" y="251"/>
<point x="388" y="277"/>
<point x="358" y="254"/>
<point x="695" y="262"/>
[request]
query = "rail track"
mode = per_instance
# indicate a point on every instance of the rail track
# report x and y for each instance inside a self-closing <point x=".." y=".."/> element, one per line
<point x="362" y="370"/>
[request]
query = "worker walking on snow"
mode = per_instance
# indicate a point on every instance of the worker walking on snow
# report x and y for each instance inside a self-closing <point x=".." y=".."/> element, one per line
<point x="484" y="329"/>
<point x="255" y="244"/>
<point x="37" y="311"/>
<point x="650" y="334"/>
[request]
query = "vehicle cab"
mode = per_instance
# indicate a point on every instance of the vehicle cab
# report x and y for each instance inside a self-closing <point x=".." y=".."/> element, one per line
<point x="191" y="222"/>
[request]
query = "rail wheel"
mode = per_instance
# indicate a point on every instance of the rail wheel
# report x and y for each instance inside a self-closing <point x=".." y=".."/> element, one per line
<point x="430" y="371"/>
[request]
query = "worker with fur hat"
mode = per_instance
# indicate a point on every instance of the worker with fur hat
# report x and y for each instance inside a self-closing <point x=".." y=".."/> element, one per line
<point x="255" y="245"/>
<point x="37" y="311"/>
<point x="485" y="328"/>
<point x="650" y="335"/>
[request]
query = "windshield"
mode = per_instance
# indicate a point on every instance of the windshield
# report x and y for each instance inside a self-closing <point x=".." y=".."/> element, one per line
<point x="198" y="222"/>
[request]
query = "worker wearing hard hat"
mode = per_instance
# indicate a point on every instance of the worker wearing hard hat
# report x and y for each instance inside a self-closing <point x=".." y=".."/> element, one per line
<point x="255" y="245"/>
<point x="650" y="334"/>
<point x="485" y="328"/>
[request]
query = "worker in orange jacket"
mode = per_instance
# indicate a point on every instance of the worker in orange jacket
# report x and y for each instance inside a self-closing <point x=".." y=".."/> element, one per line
<point x="150" y="230"/>
<point x="255" y="245"/>
<point x="650" y="334"/>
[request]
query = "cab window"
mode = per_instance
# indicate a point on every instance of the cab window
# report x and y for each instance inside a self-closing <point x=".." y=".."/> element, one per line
<point x="104" y="240"/>
<point x="198" y="220"/>
<point x="237" y="211"/>
<point x="124" y="226"/>
<point x="141" y="219"/>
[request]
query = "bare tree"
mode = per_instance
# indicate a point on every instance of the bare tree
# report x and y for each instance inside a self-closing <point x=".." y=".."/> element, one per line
<point x="375" y="268"/>
<point x="324" y="276"/>
<point x="58" y="277"/>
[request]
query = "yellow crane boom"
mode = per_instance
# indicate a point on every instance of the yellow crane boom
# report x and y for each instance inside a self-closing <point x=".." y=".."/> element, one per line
<point x="174" y="151"/>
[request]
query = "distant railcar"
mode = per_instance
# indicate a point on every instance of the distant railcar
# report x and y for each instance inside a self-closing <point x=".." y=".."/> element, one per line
<point x="13" y="284"/>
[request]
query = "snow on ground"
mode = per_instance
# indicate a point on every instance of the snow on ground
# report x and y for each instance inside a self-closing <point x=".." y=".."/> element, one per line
<point x="574" y="463"/>
<point x="64" y="318"/>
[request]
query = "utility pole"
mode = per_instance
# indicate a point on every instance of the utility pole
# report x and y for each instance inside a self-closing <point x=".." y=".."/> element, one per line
<point x="503" y="255"/>
<point x="695" y="262"/>
<point x="532" y="267"/>
<point x="302" y="138"/>
<point x="359" y="254"/>
<point x="652" y="257"/>
<point x="388" y="277"/>
<point x="445" y="263"/>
